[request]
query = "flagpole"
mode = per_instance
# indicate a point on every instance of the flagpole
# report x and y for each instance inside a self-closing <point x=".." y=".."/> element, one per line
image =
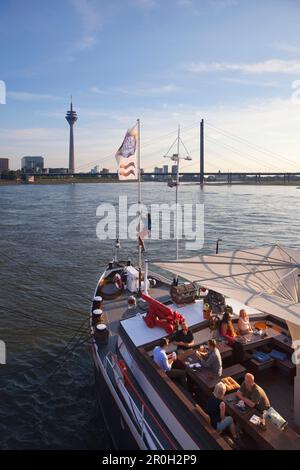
<point x="177" y="185"/>
<point x="139" y="199"/>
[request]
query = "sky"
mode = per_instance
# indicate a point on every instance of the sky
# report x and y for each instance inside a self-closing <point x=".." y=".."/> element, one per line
<point x="234" y="63"/>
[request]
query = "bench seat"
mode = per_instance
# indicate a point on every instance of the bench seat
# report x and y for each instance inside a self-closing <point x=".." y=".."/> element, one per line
<point x="257" y="366"/>
<point x="287" y="366"/>
<point x="236" y="371"/>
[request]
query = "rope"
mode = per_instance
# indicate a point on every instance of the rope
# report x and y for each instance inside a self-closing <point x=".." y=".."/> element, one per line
<point x="38" y="320"/>
<point x="250" y="144"/>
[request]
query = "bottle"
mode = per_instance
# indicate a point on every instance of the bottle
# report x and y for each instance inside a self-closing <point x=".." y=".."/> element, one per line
<point x="263" y="420"/>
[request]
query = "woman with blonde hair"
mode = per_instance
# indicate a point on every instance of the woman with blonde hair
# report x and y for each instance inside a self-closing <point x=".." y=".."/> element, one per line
<point x="215" y="408"/>
<point x="244" y="326"/>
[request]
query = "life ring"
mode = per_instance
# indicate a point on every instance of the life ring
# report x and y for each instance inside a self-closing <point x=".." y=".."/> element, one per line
<point x="108" y="289"/>
<point x="117" y="280"/>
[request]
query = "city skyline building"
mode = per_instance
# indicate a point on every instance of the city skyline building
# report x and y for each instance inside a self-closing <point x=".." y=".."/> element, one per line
<point x="4" y="164"/>
<point x="32" y="164"/>
<point x="52" y="171"/>
<point x="174" y="169"/>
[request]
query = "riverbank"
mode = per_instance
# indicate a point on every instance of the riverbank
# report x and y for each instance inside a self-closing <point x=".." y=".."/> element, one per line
<point x="59" y="181"/>
<point x="41" y="181"/>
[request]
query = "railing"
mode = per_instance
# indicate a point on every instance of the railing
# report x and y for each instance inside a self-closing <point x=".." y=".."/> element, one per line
<point x="136" y="413"/>
<point x="159" y="277"/>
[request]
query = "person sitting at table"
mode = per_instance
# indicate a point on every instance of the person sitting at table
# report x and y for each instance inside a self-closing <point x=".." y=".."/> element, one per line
<point x="212" y="359"/>
<point x="252" y="394"/>
<point x="226" y="327"/>
<point x="244" y="326"/>
<point x="165" y="362"/>
<point x="183" y="337"/>
<point x="215" y="408"/>
<point x="207" y="311"/>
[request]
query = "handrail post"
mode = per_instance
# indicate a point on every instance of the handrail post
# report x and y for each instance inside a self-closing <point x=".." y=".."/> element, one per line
<point x="143" y="420"/>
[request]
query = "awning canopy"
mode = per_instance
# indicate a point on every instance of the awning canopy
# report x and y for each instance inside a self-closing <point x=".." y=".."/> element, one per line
<point x="266" y="278"/>
<point x="263" y="278"/>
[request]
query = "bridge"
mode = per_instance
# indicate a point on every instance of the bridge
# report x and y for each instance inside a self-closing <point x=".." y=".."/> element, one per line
<point x="192" y="177"/>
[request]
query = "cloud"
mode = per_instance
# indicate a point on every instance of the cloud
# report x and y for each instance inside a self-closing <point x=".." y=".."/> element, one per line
<point x="185" y="3"/>
<point x="97" y="91"/>
<point x="222" y="4"/>
<point x="264" y="67"/>
<point x="255" y="83"/>
<point x="286" y="47"/>
<point x="37" y="133"/>
<point x="32" y="97"/>
<point x="91" y="21"/>
<point x="88" y="13"/>
<point x="152" y="91"/>
<point x="86" y="42"/>
<point x="144" y="4"/>
<point x="209" y="6"/>
<point x="139" y="90"/>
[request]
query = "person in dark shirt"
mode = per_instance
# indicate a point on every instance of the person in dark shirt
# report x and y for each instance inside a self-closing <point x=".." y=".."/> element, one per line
<point x="215" y="408"/>
<point x="184" y="338"/>
<point x="252" y="394"/>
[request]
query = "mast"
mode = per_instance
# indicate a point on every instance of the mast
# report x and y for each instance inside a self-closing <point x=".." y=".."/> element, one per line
<point x="176" y="158"/>
<point x="139" y="201"/>
<point x="202" y="151"/>
<point x="177" y="185"/>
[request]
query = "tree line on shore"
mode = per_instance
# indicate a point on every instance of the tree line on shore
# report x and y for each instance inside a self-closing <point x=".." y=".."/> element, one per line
<point x="10" y="175"/>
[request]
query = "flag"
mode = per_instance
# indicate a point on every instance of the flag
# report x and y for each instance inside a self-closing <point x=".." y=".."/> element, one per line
<point x="126" y="156"/>
<point x="145" y="232"/>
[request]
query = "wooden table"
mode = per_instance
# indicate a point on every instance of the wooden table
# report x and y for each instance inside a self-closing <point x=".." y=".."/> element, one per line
<point x="224" y="348"/>
<point x="271" y="438"/>
<point x="203" y="376"/>
<point x="252" y="341"/>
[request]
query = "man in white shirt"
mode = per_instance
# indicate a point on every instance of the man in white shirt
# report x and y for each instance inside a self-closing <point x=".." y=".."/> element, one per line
<point x="165" y="362"/>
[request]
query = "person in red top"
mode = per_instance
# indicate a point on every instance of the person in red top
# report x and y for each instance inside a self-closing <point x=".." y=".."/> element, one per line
<point x="226" y="328"/>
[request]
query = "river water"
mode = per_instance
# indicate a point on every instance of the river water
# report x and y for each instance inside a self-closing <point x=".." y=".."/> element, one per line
<point x="50" y="260"/>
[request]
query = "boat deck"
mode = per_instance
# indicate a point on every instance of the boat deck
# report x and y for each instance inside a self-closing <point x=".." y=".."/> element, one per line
<point x="128" y="324"/>
<point x="115" y="311"/>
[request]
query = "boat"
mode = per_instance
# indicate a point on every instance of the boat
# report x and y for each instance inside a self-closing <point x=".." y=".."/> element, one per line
<point x="142" y="407"/>
<point x="135" y="307"/>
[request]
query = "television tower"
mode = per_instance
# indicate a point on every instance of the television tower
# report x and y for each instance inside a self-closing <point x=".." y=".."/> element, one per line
<point x="71" y="117"/>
